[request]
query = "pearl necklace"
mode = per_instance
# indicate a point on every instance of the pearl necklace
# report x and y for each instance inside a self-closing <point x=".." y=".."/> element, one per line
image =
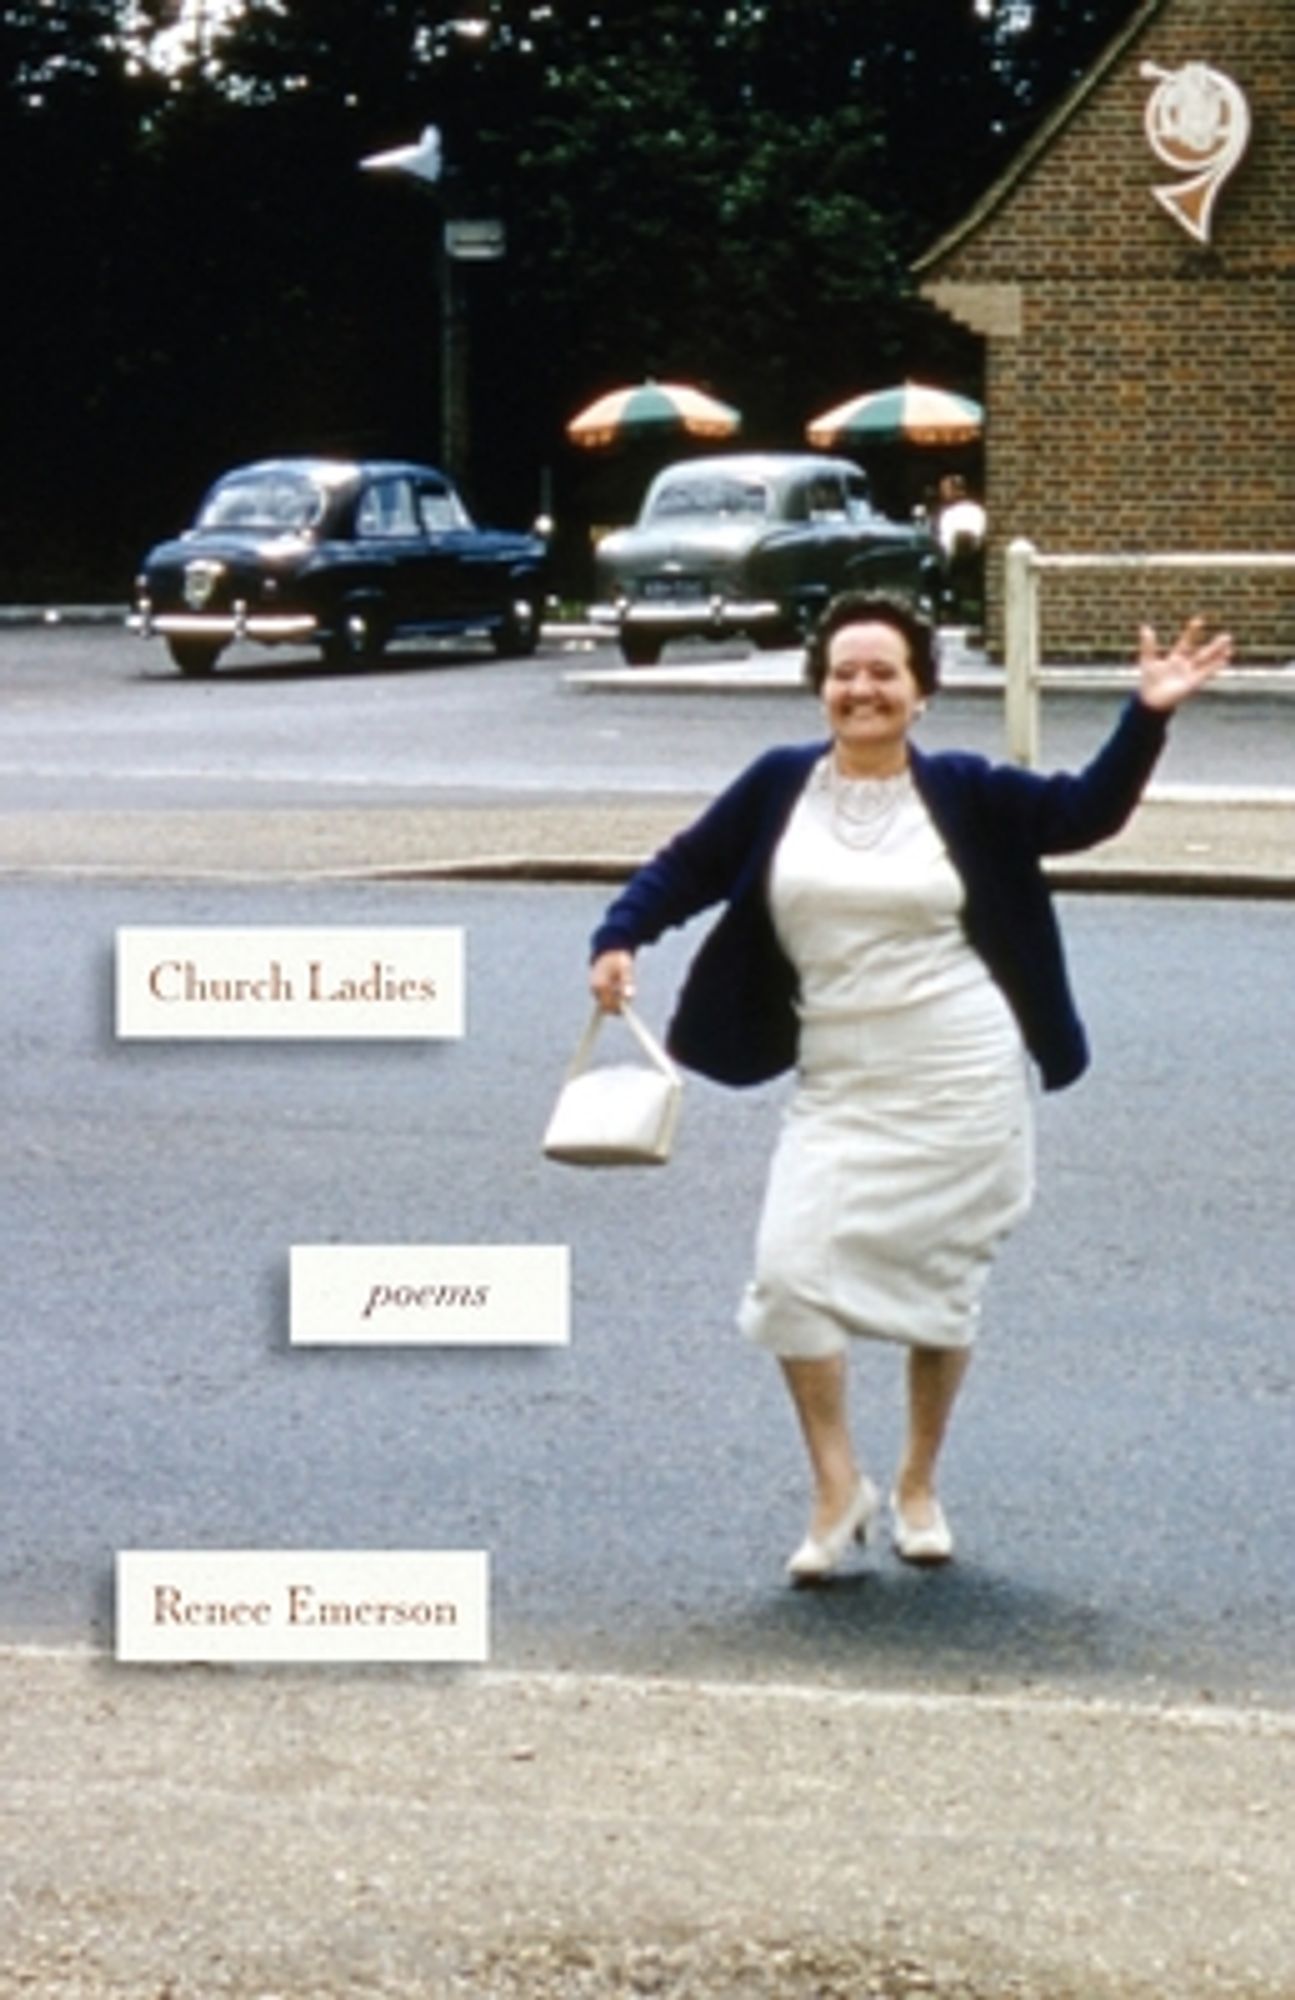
<point x="864" y="809"/>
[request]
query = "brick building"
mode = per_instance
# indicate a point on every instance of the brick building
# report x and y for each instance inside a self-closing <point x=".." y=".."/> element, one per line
<point x="1131" y="275"/>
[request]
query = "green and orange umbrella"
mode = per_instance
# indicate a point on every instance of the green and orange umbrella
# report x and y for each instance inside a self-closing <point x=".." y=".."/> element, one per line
<point x="652" y="409"/>
<point x="909" y="413"/>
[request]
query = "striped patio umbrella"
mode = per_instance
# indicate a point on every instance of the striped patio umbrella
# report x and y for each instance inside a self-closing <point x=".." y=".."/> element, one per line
<point x="652" y="409"/>
<point x="911" y="413"/>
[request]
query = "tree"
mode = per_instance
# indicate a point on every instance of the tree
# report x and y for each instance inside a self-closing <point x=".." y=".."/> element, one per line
<point x="730" y="190"/>
<point x="1045" y="46"/>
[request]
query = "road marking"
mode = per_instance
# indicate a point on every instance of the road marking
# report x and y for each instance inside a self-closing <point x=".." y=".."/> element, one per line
<point x="1213" y="1719"/>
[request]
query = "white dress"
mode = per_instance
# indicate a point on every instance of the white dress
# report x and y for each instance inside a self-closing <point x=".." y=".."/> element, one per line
<point x="907" y="1151"/>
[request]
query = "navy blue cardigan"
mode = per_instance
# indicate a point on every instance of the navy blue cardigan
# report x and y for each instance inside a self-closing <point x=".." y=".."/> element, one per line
<point x="735" y="1018"/>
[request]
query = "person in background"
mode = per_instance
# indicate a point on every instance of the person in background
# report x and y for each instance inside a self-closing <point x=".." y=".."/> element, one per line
<point x="887" y="929"/>
<point x="959" y="519"/>
<point x="960" y="524"/>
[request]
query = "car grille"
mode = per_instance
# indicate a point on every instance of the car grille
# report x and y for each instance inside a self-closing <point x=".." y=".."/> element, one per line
<point x="204" y="585"/>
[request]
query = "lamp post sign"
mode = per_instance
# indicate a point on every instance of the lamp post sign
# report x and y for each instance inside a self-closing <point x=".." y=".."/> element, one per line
<point x="471" y="241"/>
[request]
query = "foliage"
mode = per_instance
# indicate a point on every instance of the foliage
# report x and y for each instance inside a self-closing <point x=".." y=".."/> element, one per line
<point x="728" y="190"/>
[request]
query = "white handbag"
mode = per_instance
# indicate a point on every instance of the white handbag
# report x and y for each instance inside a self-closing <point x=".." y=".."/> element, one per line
<point x="616" y="1114"/>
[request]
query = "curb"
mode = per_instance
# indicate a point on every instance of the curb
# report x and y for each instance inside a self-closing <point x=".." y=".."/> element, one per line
<point x="1237" y="884"/>
<point x="19" y="616"/>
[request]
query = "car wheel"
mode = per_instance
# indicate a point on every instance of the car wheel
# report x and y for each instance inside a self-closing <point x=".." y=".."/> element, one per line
<point x="792" y="628"/>
<point x="359" y="640"/>
<point x="640" y="648"/>
<point x="193" y="656"/>
<point x="930" y="593"/>
<point x="776" y="638"/>
<point x="519" y="632"/>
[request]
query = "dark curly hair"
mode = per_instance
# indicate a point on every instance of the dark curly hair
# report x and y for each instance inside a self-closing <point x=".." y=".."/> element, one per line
<point x="862" y="607"/>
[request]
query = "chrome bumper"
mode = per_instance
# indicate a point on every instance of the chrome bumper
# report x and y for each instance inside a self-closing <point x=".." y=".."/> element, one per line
<point x="702" y="614"/>
<point x="240" y="623"/>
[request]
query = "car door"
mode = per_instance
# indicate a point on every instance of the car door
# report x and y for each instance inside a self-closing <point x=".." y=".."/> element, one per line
<point x="450" y="590"/>
<point x="831" y="533"/>
<point x="814" y="555"/>
<point x="886" y="555"/>
<point x="392" y="548"/>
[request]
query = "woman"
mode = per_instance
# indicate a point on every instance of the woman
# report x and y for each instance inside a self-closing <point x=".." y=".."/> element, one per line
<point x="888" y="929"/>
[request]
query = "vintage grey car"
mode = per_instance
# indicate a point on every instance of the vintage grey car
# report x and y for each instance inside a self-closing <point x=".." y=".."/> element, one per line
<point x="343" y="554"/>
<point x="753" y="543"/>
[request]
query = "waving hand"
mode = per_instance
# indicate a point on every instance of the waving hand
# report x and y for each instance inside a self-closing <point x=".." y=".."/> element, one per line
<point x="1172" y="677"/>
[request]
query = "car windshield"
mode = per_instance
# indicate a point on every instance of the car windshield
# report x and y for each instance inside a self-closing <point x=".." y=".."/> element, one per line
<point x="282" y="502"/>
<point x="718" y="498"/>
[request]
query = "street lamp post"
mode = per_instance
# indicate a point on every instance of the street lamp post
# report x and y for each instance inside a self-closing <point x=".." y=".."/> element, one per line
<point x="464" y="240"/>
<point x="460" y="240"/>
<point x="454" y="374"/>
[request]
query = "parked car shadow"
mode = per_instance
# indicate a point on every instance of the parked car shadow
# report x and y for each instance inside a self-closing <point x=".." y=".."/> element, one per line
<point x="401" y="658"/>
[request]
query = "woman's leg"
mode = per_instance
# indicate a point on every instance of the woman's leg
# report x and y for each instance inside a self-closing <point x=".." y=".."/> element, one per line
<point x="818" y="1391"/>
<point x="935" y="1375"/>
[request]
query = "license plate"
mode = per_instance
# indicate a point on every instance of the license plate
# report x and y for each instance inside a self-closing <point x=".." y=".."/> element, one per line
<point x="674" y="589"/>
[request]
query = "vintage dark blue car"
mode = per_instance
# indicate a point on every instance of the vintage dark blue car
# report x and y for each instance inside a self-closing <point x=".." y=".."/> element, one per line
<point x="343" y="554"/>
<point x="753" y="544"/>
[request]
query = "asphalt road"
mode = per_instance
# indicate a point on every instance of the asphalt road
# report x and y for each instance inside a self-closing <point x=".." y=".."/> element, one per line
<point x="95" y="719"/>
<point x="736" y="1789"/>
<point x="1123" y="1473"/>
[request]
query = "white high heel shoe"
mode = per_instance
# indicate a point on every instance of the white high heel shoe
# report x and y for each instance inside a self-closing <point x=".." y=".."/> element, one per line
<point x="819" y="1555"/>
<point x="928" y="1545"/>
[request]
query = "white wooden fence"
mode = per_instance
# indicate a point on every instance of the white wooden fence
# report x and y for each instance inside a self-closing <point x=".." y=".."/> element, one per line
<point x="1026" y="676"/>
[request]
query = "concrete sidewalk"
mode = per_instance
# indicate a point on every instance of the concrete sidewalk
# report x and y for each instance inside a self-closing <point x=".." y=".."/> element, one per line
<point x="313" y="1835"/>
<point x="1181" y="842"/>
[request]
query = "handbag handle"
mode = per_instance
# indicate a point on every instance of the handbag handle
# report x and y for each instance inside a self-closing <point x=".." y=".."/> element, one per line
<point x="647" y="1041"/>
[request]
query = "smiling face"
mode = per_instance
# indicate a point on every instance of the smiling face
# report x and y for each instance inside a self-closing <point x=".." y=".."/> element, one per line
<point x="870" y="697"/>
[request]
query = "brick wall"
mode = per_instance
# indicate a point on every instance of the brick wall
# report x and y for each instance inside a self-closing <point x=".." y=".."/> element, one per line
<point x="1140" y="386"/>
